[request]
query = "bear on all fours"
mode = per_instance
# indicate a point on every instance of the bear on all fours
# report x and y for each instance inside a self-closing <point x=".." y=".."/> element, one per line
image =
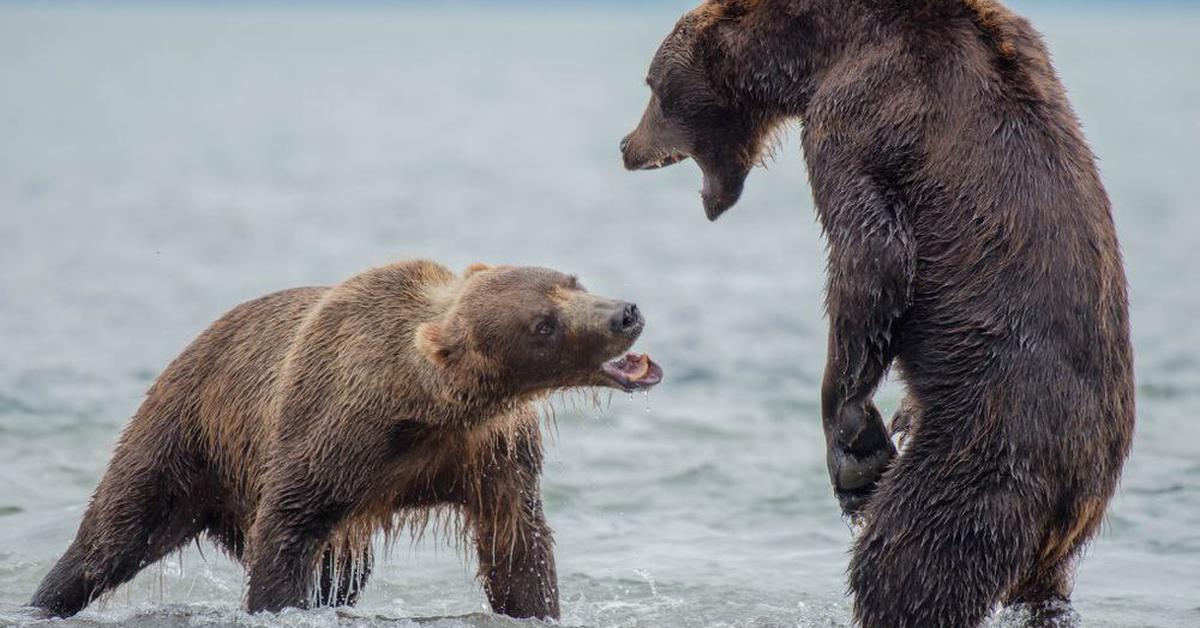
<point x="971" y="246"/>
<point x="301" y="423"/>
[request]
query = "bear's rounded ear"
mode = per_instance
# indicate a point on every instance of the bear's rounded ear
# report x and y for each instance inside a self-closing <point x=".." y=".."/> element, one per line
<point x="475" y="268"/>
<point x="732" y="9"/>
<point x="431" y="342"/>
<point x="742" y="5"/>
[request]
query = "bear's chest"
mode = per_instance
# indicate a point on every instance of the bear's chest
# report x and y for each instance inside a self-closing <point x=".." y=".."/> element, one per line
<point x="435" y="465"/>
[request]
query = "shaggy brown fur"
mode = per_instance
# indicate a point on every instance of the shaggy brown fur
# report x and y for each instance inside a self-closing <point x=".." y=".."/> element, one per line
<point x="302" y="423"/>
<point x="970" y="242"/>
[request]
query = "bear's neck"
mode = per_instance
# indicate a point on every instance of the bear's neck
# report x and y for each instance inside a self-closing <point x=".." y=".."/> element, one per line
<point x="453" y="396"/>
<point x="468" y="399"/>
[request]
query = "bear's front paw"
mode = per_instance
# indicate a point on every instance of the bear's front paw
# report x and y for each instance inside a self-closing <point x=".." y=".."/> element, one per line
<point x="860" y="451"/>
<point x="855" y="475"/>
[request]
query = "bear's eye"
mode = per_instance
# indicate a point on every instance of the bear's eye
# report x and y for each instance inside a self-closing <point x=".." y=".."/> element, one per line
<point x="545" y="327"/>
<point x="664" y="105"/>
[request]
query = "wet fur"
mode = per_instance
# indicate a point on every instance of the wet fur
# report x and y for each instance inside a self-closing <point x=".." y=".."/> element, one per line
<point x="301" y="425"/>
<point x="971" y="245"/>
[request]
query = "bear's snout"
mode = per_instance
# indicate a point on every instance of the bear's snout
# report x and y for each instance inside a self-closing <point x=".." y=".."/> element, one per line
<point x="633" y="159"/>
<point x="626" y="319"/>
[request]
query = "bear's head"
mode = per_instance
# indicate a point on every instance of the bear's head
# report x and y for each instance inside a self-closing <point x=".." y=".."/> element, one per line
<point x="519" y="331"/>
<point x="723" y="81"/>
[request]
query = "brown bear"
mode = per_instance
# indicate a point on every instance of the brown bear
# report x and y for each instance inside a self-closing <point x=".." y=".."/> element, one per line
<point x="303" y="422"/>
<point x="971" y="244"/>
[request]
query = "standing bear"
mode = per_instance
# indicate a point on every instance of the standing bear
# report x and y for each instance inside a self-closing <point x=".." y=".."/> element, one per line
<point x="301" y="423"/>
<point x="971" y="244"/>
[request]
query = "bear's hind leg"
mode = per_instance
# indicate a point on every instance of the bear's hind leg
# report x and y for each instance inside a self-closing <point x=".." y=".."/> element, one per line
<point x="1045" y="590"/>
<point x="136" y="517"/>
<point x="939" y="551"/>
<point x="1046" y="595"/>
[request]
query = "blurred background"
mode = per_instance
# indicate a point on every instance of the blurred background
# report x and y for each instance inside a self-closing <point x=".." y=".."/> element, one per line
<point x="162" y="162"/>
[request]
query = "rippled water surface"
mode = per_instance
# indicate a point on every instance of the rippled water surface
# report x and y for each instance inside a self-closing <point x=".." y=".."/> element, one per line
<point x="160" y="165"/>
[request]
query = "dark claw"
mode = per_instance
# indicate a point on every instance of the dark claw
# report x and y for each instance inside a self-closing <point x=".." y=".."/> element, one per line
<point x="906" y="418"/>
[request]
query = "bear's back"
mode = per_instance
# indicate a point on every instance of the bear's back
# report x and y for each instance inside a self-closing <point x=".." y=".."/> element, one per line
<point x="221" y="398"/>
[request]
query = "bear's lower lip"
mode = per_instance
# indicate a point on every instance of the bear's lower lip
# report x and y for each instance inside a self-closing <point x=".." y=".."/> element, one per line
<point x="633" y="371"/>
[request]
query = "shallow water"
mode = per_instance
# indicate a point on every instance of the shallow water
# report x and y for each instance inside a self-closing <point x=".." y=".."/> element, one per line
<point x="158" y="166"/>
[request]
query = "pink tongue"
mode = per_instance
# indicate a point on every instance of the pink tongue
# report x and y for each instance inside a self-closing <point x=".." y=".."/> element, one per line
<point x="634" y="370"/>
<point x="634" y="365"/>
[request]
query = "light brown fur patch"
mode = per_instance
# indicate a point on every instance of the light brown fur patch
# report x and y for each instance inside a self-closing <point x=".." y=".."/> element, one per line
<point x="1064" y="541"/>
<point x="996" y="20"/>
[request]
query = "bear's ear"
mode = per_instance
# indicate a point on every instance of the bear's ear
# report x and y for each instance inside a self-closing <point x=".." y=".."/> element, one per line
<point x="731" y="9"/>
<point x="432" y="342"/>
<point x="742" y="5"/>
<point x="476" y="268"/>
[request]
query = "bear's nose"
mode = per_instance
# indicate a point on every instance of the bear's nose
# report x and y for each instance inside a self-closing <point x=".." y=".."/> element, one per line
<point x="626" y="318"/>
<point x="625" y="143"/>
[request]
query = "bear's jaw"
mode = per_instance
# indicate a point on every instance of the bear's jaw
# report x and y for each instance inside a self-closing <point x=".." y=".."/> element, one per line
<point x="721" y="186"/>
<point x="633" y="371"/>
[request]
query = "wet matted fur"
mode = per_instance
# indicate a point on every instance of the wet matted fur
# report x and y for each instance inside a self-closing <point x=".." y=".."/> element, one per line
<point x="971" y="243"/>
<point x="301" y="424"/>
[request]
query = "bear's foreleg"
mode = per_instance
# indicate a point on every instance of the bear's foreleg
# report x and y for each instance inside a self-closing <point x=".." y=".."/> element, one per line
<point x="872" y="260"/>
<point x="515" y="545"/>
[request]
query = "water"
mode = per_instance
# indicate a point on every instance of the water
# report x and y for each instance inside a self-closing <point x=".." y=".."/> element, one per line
<point x="158" y="166"/>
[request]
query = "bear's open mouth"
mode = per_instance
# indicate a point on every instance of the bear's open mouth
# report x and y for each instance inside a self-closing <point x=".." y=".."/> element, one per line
<point x="633" y="371"/>
<point x="662" y="162"/>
